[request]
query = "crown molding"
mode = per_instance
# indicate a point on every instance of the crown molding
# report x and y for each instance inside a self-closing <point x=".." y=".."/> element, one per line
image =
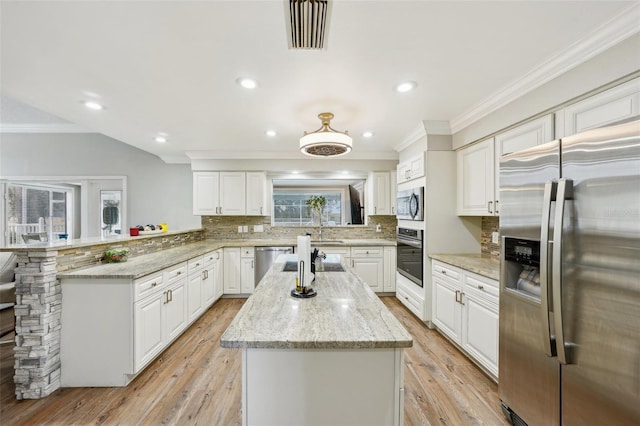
<point x="418" y="132"/>
<point x="617" y="29"/>
<point x="175" y="159"/>
<point x="43" y="128"/>
<point x="437" y="127"/>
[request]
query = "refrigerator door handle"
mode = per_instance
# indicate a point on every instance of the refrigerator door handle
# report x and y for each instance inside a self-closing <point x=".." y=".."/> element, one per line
<point x="550" y="189"/>
<point x="565" y="193"/>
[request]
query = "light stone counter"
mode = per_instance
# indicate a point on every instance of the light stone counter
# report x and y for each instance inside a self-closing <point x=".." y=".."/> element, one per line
<point x="488" y="266"/>
<point x="346" y="314"/>
<point x="140" y="266"/>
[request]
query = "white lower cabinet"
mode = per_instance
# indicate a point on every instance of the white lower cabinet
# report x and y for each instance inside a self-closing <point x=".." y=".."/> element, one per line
<point x="465" y="309"/>
<point x="410" y="295"/>
<point x="368" y="264"/>
<point x="389" y="285"/>
<point x="239" y="270"/>
<point x="195" y="290"/>
<point x="159" y="317"/>
<point x="212" y="277"/>
<point x="247" y="270"/>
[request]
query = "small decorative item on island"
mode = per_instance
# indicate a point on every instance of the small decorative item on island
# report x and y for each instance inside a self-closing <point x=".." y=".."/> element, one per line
<point x="301" y="291"/>
<point x="116" y="255"/>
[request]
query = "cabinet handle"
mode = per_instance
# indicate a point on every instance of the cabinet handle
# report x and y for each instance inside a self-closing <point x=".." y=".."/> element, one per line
<point x="393" y="210"/>
<point x="480" y="287"/>
<point x="252" y="264"/>
<point x="375" y="210"/>
<point x="220" y="209"/>
<point x="166" y="297"/>
<point x="458" y="296"/>
<point x="217" y="258"/>
<point x="170" y="295"/>
<point x="179" y="272"/>
<point x="497" y="211"/>
<point x="461" y="294"/>
<point x="153" y="284"/>
<point x="260" y="209"/>
<point x="198" y="264"/>
<point x="490" y="206"/>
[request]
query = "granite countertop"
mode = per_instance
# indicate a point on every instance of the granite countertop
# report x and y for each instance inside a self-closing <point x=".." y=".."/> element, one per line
<point x="140" y="266"/>
<point x="488" y="266"/>
<point x="346" y="314"/>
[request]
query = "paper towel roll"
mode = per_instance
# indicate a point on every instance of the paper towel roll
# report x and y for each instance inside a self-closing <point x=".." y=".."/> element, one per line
<point x="304" y="253"/>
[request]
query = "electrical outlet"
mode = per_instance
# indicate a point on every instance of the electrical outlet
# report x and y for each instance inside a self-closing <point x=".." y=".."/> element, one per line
<point x="258" y="228"/>
<point x="379" y="228"/>
<point x="240" y="229"/>
<point x="495" y="237"/>
<point x="245" y="228"/>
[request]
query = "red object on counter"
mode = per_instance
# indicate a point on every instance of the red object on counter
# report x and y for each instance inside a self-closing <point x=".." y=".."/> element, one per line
<point x="134" y="232"/>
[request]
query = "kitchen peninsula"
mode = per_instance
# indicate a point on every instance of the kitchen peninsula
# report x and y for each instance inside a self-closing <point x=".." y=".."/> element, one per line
<point x="332" y="359"/>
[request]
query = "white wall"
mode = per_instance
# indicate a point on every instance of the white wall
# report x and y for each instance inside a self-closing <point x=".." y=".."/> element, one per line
<point x="157" y="192"/>
<point x="618" y="62"/>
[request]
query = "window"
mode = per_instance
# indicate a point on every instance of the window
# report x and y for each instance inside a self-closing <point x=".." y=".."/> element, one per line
<point x="290" y="209"/>
<point x="39" y="210"/>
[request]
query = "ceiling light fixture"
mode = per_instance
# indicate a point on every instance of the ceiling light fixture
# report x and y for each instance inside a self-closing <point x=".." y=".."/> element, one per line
<point x="161" y="138"/>
<point x="407" y="86"/>
<point x="247" y="83"/>
<point x="325" y="142"/>
<point x="93" y="105"/>
<point x="367" y="134"/>
<point x="271" y="133"/>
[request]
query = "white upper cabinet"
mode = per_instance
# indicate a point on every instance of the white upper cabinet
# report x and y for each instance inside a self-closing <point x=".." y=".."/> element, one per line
<point x="476" y="185"/>
<point x="229" y="193"/>
<point x="411" y="169"/>
<point x="206" y="193"/>
<point x="256" y="194"/>
<point x="479" y="165"/>
<point x="618" y="103"/>
<point x="380" y="194"/>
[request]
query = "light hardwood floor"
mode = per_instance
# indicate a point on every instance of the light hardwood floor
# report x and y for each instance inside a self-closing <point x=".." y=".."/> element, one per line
<point x="196" y="382"/>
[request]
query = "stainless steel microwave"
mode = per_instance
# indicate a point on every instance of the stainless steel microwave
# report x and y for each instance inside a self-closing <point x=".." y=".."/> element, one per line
<point x="410" y="204"/>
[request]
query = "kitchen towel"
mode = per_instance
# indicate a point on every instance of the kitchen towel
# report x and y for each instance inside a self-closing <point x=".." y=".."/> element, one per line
<point x="304" y="253"/>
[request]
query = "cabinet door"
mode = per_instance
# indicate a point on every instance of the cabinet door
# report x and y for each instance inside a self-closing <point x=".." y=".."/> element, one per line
<point x="389" y="269"/>
<point x="194" y="294"/>
<point x="247" y="275"/>
<point x="208" y="286"/>
<point x="447" y="311"/>
<point x="176" y="310"/>
<point x="206" y="198"/>
<point x="232" y="193"/>
<point x="416" y="167"/>
<point x="393" y="189"/>
<point x="476" y="179"/>
<point x="618" y="103"/>
<point x="256" y="194"/>
<point x="533" y="133"/>
<point x="218" y="275"/>
<point x="380" y="194"/>
<point x="148" y="336"/>
<point x="480" y="331"/>
<point x="371" y="271"/>
<point x="232" y="270"/>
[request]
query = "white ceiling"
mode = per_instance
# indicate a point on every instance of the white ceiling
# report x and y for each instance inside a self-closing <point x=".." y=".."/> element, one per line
<point x="171" y="66"/>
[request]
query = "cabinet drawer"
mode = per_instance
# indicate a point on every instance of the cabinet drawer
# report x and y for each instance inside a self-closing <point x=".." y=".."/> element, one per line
<point x="407" y="299"/>
<point x="211" y="257"/>
<point x="483" y="287"/>
<point x="445" y="271"/>
<point x="247" y="252"/>
<point x="174" y="272"/>
<point x="366" y="251"/>
<point x="195" y="264"/>
<point x="148" y="285"/>
<point x="342" y="251"/>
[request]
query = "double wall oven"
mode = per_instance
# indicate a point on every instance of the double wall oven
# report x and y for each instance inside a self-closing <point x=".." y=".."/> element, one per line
<point x="409" y="254"/>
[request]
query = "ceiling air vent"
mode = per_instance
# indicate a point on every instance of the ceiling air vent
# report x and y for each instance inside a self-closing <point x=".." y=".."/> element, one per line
<point x="307" y="22"/>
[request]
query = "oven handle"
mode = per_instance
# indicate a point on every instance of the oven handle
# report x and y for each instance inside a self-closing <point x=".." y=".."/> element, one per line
<point x="412" y="243"/>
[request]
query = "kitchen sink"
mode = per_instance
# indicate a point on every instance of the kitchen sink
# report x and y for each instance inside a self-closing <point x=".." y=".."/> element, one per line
<point x="323" y="267"/>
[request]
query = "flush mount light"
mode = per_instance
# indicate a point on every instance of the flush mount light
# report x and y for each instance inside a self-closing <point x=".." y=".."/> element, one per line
<point x="247" y="83"/>
<point x="406" y="86"/>
<point x="161" y="138"/>
<point x="325" y="142"/>
<point x="93" y="105"/>
<point x="367" y="134"/>
<point x="271" y="133"/>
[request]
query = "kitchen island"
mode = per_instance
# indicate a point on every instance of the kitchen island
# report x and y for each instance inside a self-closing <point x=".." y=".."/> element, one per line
<point x="336" y="358"/>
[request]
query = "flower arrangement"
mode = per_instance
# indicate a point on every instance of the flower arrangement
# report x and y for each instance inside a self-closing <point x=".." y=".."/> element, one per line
<point x="317" y="203"/>
<point x="116" y="255"/>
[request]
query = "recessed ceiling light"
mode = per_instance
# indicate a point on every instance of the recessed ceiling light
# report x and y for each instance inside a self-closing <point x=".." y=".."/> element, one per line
<point x="270" y="133"/>
<point x="161" y="138"/>
<point x="407" y="86"/>
<point x="247" y="83"/>
<point x="93" y="105"/>
<point x="367" y="134"/>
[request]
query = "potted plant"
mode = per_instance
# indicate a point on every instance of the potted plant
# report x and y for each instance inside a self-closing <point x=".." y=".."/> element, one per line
<point x="317" y="203"/>
<point x="116" y="255"/>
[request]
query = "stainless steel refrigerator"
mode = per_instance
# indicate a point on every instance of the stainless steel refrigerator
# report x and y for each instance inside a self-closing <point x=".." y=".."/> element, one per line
<point x="569" y="349"/>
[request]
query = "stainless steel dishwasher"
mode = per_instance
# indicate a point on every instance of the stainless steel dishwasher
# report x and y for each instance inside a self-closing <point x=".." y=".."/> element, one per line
<point x="265" y="256"/>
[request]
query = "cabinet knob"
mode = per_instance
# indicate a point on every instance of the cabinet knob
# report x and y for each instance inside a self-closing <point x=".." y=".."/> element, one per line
<point x="480" y="287"/>
<point x="153" y="284"/>
<point x="444" y="272"/>
<point x="179" y="272"/>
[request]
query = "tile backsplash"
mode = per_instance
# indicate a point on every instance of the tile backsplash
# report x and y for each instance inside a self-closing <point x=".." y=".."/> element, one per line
<point x="490" y="224"/>
<point x="226" y="228"/>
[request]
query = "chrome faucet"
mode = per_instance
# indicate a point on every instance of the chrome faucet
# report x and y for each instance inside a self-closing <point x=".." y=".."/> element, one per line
<point x="320" y="231"/>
